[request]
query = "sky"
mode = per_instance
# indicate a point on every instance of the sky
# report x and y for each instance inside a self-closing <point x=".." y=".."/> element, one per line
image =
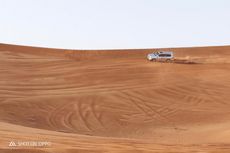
<point x="115" y="24"/>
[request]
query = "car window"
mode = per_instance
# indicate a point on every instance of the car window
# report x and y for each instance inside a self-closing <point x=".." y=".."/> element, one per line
<point x="165" y="55"/>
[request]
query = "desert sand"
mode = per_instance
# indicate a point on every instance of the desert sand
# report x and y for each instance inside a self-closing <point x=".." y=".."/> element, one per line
<point x="114" y="101"/>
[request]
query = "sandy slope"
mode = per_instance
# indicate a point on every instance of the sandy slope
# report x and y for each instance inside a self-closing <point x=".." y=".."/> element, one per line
<point x="115" y="101"/>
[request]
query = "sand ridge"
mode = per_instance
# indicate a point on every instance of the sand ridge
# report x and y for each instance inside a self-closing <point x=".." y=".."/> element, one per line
<point x="117" y="98"/>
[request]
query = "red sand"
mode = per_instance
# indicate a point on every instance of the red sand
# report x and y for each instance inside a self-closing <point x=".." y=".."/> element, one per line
<point x="114" y="101"/>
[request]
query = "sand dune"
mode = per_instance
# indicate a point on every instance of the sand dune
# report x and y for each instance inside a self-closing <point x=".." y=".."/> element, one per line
<point x="115" y="100"/>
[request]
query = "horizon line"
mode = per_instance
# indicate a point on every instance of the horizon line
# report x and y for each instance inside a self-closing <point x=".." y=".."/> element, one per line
<point x="45" y="47"/>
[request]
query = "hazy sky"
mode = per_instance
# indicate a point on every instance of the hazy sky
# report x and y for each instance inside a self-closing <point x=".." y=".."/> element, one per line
<point x="101" y="24"/>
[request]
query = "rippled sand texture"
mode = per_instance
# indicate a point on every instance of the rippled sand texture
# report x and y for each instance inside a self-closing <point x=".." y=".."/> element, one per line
<point x="115" y="101"/>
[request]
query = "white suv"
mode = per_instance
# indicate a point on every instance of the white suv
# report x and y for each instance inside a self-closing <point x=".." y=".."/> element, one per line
<point x="161" y="56"/>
